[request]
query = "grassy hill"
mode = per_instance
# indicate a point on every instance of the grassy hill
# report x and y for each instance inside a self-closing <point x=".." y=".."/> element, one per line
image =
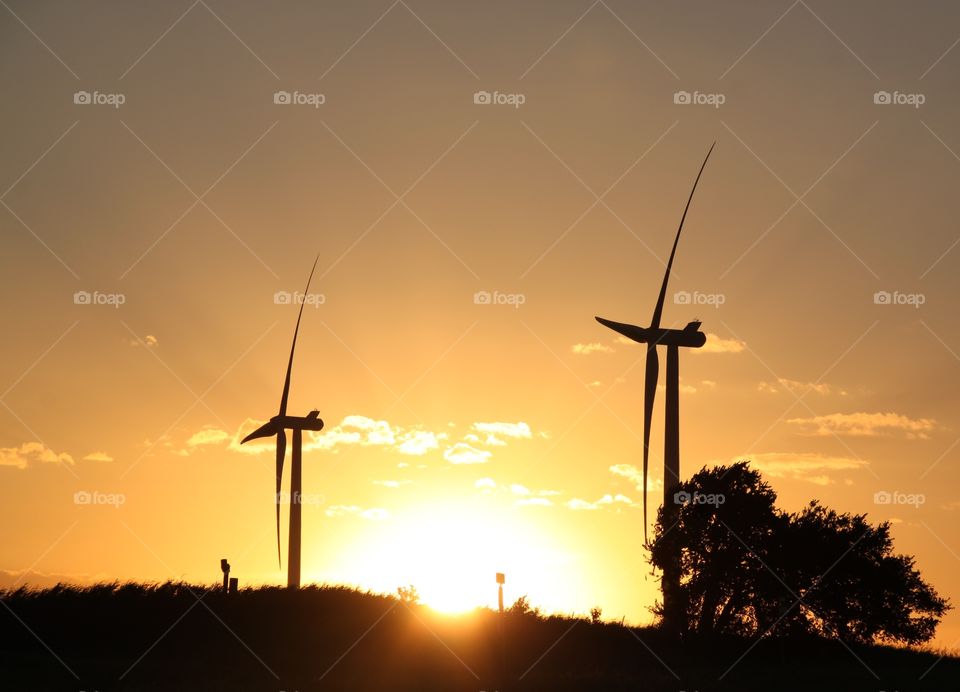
<point x="185" y="637"/>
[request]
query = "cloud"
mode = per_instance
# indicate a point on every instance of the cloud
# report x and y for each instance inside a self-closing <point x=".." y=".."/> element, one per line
<point x="595" y="347"/>
<point x="635" y="476"/>
<point x="865" y="425"/>
<point x="391" y="484"/>
<point x="462" y="453"/>
<point x="149" y="341"/>
<point x="98" y="456"/>
<point x="373" y="514"/>
<point x="485" y="484"/>
<point x="798" y="388"/>
<point x="419" y="442"/>
<point x="208" y="436"/>
<point x="31" y="453"/>
<point x="607" y="500"/>
<point x="516" y="430"/>
<point x="716" y="344"/>
<point x="363" y="431"/>
<point x="518" y="489"/>
<point x="802" y="466"/>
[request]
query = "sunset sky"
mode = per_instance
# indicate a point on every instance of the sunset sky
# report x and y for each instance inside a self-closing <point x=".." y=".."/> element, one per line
<point x="463" y="437"/>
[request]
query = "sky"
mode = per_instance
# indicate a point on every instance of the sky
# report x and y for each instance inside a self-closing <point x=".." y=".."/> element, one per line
<point x="480" y="180"/>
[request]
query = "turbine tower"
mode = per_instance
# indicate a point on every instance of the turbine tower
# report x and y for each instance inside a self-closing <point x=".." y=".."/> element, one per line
<point x="278" y="425"/>
<point x="653" y="336"/>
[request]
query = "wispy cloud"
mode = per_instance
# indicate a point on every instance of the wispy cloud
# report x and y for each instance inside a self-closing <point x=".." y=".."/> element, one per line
<point x="419" y="442"/>
<point x="149" y="341"/>
<point x="802" y="466"/>
<point x="635" y="476"/>
<point x="588" y="349"/>
<point x="98" y="456"/>
<point x="716" y="344"/>
<point x="208" y="436"/>
<point x="606" y="501"/>
<point x="798" y="388"/>
<point x="30" y="454"/>
<point x="391" y="483"/>
<point x="865" y="425"/>
<point x="462" y="453"/>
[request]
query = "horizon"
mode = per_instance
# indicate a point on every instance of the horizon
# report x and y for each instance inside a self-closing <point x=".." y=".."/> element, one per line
<point x="480" y="183"/>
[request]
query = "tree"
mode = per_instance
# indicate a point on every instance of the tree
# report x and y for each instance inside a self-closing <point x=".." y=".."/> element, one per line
<point x="750" y="569"/>
<point x="408" y="595"/>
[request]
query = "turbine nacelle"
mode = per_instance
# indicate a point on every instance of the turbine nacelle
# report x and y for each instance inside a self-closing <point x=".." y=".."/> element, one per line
<point x="689" y="337"/>
<point x="278" y="424"/>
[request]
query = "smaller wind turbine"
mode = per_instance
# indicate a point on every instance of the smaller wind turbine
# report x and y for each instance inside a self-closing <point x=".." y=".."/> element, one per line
<point x="278" y="426"/>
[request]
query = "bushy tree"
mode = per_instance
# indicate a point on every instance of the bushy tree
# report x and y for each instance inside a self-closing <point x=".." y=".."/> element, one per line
<point x="749" y="569"/>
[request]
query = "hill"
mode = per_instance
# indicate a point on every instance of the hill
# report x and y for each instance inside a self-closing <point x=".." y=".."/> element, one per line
<point x="187" y="637"/>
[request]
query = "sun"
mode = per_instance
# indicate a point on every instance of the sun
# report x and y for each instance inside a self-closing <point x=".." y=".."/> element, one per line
<point x="451" y="553"/>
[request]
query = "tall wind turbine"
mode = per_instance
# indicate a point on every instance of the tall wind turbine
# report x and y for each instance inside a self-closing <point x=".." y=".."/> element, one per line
<point x="278" y="425"/>
<point x="654" y="335"/>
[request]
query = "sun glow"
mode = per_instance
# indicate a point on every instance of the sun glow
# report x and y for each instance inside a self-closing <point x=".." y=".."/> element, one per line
<point x="451" y="554"/>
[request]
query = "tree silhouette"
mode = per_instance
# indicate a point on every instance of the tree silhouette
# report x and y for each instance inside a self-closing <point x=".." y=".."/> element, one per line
<point x="750" y="569"/>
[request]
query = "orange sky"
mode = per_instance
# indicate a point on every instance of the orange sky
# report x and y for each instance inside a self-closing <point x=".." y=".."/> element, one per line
<point x="465" y="438"/>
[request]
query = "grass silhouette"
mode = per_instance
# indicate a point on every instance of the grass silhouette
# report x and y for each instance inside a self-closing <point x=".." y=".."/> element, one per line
<point x="174" y="635"/>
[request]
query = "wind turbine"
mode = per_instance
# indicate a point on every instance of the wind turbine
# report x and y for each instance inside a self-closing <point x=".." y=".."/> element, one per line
<point x="653" y="336"/>
<point x="278" y="425"/>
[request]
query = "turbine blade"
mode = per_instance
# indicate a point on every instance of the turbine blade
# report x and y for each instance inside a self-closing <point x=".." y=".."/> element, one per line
<point x="630" y="331"/>
<point x="649" y="394"/>
<point x="655" y="322"/>
<point x="293" y="346"/>
<point x="281" y="452"/>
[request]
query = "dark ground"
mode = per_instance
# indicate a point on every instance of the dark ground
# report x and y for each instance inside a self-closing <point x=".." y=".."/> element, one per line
<point x="160" y="637"/>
